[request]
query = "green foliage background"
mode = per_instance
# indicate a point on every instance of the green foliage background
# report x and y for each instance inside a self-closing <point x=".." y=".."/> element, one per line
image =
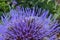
<point x="4" y="6"/>
<point x="45" y="4"/>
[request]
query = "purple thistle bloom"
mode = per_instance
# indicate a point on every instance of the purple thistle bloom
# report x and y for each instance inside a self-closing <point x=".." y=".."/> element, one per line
<point x="14" y="2"/>
<point x="26" y="24"/>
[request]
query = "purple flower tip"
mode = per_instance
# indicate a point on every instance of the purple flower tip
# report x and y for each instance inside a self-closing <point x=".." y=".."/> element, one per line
<point x="14" y="2"/>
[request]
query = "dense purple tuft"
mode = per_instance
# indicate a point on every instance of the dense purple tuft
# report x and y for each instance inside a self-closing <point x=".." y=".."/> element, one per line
<point x="28" y="24"/>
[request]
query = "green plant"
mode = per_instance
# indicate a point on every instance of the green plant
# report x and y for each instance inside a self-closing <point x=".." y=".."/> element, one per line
<point x="45" y="4"/>
<point x="4" y="7"/>
<point x="57" y="14"/>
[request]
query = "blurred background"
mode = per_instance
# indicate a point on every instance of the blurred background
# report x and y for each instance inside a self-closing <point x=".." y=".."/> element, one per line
<point x="52" y="5"/>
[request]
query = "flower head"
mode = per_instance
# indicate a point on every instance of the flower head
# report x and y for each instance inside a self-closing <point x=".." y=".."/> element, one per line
<point x="14" y="2"/>
<point x="28" y="24"/>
